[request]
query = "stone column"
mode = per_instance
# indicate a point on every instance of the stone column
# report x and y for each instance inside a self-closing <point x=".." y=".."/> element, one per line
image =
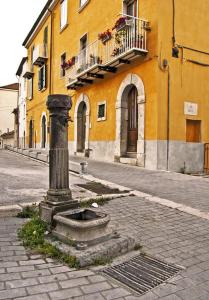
<point x="58" y="198"/>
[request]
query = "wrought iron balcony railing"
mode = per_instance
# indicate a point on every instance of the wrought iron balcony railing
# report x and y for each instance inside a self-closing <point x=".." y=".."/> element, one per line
<point x="124" y="44"/>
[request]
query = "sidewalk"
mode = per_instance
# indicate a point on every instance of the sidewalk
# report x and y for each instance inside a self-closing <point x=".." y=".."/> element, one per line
<point x="189" y="190"/>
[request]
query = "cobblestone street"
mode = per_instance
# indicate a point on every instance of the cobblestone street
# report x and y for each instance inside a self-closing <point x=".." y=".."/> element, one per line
<point x="169" y="234"/>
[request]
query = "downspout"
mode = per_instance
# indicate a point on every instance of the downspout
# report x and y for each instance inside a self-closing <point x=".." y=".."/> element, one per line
<point x="173" y="23"/>
<point x="50" y="53"/>
<point x="18" y="94"/>
<point x="168" y="120"/>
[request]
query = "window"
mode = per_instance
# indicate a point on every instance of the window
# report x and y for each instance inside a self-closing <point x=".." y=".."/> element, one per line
<point x="42" y="75"/>
<point x="45" y="40"/>
<point x="63" y="61"/>
<point x="101" y="112"/>
<point x="82" y="2"/>
<point x="30" y="89"/>
<point x="130" y="7"/>
<point x="83" y="54"/>
<point x="63" y="14"/>
<point x="193" y="131"/>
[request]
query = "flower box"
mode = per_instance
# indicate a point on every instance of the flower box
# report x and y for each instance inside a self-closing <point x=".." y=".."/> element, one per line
<point x="105" y="36"/>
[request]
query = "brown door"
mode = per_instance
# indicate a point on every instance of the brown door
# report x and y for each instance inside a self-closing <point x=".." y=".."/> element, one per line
<point x="132" y="121"/>
<point x="81" y="134"/>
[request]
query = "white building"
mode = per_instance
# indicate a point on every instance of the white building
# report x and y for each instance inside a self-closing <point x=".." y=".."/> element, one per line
<point x="8" y="103"/>
<point x="22" y="102"/>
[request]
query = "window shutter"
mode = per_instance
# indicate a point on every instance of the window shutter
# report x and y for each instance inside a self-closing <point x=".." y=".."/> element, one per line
<point x="45" y="35"/>
<point x="44" y="76"/>
<point x="39" y="80"/>
<point x="63" y="20"/>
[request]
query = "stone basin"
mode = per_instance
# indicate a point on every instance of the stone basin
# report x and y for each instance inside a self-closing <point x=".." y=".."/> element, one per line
<point x="82" y="226"/>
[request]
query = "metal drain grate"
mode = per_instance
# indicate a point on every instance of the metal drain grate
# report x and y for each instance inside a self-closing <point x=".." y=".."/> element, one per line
<point x="100" y="189"/>
<point x="142" y="273"/>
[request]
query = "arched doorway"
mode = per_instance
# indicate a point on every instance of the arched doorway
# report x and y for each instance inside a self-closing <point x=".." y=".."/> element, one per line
<point x="81" y="127"/>
<point x="43" y="132"/>
<point x="130" y="118"/>
<point x="31" y="134"/>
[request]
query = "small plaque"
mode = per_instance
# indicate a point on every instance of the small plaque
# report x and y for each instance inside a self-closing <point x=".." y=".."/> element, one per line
<point x="190" y="108"/>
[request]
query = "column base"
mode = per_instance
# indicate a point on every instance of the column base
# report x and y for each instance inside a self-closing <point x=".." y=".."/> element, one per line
<point x="55" y="202"/>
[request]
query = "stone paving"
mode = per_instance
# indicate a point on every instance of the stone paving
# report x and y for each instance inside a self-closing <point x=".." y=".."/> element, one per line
<point x="191" y="191"/>
<point x="163" y="232"/>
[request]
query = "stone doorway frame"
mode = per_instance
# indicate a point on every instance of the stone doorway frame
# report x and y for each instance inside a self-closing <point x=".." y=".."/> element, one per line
<point x="82" y="98"/>
<point x="130" y="80"/>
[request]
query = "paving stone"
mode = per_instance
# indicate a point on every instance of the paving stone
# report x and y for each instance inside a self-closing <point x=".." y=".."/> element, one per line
<point x="53" y="278"/>
<point x="21" y="283"/>
<point x="13" y="293"/>
<point x="80" y="273"/>
<point x="171" y="297"/>
<point x="115" y="293"/>
<point x="42" y="288"/>
<point x="94" y="288"/>
<point x="192" y="293"/>
<point x="74" y="282"/>
<point x="65" y="294"/>
<point x="35" y="297"/>
<point x="11" y="276"/>
<point x="97" y="278"/>
<point x="58" y="270"/>
<point x="20" y="269"/>
<point x="31" y="262"/>
<point x="36" y="273"/>
<point x="90" y="297"/>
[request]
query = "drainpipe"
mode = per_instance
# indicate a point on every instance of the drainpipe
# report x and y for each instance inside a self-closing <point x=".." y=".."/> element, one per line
<point x="50" y="53"/>
<point x="18" y="94"/>
<point x="168" y="120"/>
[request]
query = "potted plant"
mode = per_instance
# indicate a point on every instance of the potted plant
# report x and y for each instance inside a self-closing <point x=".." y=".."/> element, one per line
<point x="105" y="36"/>
<point x="68" y="64"/>
<point x="116" y="51"/>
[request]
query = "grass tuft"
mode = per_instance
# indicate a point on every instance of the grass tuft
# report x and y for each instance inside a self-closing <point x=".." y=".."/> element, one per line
<point x="28" y="212"/>
<point x="32" y="234"/>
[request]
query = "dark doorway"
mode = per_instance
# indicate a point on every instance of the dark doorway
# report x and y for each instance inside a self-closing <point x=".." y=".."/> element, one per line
<point x="81" y="127"/>
<point x="132" y="135"/>
<point x="31" y="142"/>
<point x="43" y="130"/>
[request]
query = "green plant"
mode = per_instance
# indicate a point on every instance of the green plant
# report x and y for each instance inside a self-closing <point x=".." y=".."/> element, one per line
<point x="28" y="212"/>
<point x="100" y="201"/>
<point x="32" y="234"/>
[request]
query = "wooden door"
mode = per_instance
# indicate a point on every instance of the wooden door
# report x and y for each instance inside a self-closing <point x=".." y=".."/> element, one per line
<point x="193" y="131"/>
<point x="31" y="134"/>
<point x="132" y="121"/>
<point x="83" y="126"/>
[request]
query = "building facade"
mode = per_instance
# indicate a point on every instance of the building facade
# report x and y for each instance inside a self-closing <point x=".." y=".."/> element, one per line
<point x="8" y="103"/>
<point x="137" y="74"/>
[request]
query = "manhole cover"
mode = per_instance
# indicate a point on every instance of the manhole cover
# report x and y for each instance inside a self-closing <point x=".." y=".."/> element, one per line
<point x="100" y="189"/>
<point x="142" y="273"/>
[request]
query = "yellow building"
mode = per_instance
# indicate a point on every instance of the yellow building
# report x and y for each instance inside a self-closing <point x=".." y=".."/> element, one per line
<point x="137" y="71"/>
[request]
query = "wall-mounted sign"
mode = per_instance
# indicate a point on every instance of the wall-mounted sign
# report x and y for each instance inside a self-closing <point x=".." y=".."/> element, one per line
<point x="190" y="108"/>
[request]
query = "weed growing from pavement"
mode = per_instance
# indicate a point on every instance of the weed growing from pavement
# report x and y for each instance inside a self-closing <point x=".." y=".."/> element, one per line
<point x="100" y="201"/>
<point x="138" y="247"/>
<point x="28" y="212"/>
<point x="32" y="234"/>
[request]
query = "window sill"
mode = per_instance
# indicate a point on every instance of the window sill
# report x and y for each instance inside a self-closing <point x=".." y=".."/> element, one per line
<point x="83" y="6"/>
<point x="63" y="28"/>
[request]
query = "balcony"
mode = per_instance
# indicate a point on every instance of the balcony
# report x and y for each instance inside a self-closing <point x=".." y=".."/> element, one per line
<point x="40" y="55"/>
<point x="27" y="71"/>
<point x="126" y="43"/>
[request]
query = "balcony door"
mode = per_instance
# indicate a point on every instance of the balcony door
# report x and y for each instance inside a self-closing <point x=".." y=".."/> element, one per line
<point x="132" y="135"/>
<point x="131" y="8"/>
<point x="83" y="54"/>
